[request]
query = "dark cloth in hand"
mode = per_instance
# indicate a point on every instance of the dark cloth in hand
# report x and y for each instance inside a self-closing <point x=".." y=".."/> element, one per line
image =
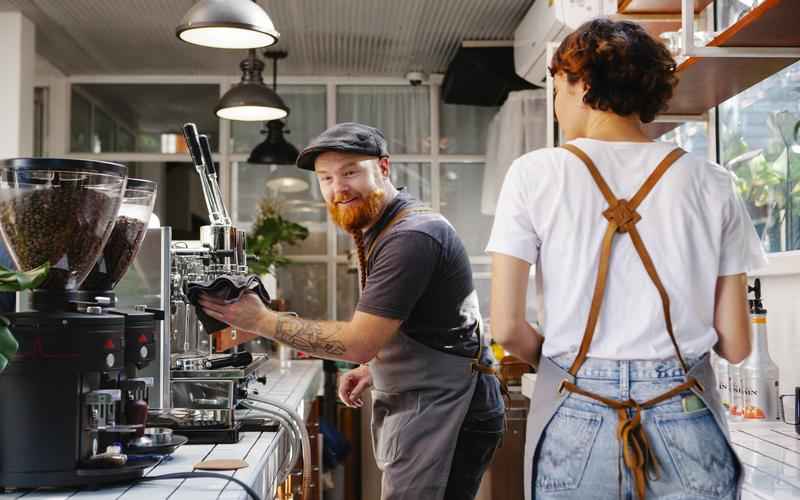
<point x="227" y="288"/>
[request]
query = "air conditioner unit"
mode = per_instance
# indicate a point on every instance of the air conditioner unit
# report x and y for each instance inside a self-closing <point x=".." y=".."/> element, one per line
<point x="551" y="21"/>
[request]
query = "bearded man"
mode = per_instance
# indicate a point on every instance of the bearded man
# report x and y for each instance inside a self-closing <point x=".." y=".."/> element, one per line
<point x="437" y="414"/>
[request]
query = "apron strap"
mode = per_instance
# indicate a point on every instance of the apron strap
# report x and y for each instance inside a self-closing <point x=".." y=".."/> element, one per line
<point x="622" y="218"/>
<point x="399" y="216"/>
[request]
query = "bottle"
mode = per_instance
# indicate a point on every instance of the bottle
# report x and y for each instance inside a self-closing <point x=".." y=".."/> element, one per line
<point x="759" y="372"/>
<point x="722" y="368"/>
<point x="735" y="384"/>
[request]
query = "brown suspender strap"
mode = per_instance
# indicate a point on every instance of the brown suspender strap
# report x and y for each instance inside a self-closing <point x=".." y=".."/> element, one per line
<point x="636" y="451"/>
<point x="622" y="218"/>
<point x="402" y="214"/>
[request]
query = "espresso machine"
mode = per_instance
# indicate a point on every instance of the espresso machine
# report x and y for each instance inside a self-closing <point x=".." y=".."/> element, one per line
<point x="70" y="395"/>
<point x="206" y="384"/>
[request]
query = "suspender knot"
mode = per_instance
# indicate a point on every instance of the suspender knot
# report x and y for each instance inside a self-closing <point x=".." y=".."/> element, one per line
<point x="623" y="215"/>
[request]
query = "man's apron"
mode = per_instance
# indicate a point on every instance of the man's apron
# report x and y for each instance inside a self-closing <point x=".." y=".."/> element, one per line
<point x="554" y="384"/>
<point x="420" y="398"/>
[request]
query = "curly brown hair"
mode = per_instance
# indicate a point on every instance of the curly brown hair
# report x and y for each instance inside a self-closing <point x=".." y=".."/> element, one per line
<point x="625" y="69"/>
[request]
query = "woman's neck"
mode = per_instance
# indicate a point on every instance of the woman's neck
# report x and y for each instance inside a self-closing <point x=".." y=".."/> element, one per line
<point x="606" y="126"/>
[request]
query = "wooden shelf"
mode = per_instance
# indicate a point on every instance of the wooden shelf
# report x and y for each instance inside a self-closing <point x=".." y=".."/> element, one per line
<point x="706" y="82"/>
<point x="655" y="24"/>
<point x="657" y="6"/>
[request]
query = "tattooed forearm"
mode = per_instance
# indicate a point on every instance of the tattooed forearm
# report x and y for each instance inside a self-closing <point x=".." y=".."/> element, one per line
<point x="314" y="337"/>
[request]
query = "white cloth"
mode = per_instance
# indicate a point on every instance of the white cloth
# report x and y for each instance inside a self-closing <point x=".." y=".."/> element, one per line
<point x="518" y="127"/>
<point x="694" y="225"/>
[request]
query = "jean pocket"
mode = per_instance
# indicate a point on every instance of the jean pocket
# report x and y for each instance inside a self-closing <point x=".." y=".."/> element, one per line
<point x="702" y="457"/>
<point x="564" y="449"/>
<point x="391" y="412"/>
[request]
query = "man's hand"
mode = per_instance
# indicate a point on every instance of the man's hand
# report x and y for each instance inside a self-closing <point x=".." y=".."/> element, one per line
<point x="248" y="313"/>
<point x="352" y="385"/>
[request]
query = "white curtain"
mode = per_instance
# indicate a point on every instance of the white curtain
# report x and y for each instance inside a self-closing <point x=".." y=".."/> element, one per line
<point x="519" y="127"/>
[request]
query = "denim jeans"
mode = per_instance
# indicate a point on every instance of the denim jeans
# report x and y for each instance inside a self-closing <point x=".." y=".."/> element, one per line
<point x="477" y="442"/>
<point x="579" y="454"/>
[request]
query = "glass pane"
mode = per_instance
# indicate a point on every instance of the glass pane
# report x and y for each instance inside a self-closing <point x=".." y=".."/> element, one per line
<point x="461" y="185"/>
<point x="415" y="177"/>
<point x="691" y="136"/>
<point x="305" y="207"/>
<point x="402" y="112"/>
<point x="152" y="113"/>
<point x="125" y="140"/>
<point x="730" y="11"/>
<point x="103" y="136"/>
<point x="179" y="202"/>
<point x="463" y="129"/>
<point x="305" y="289"/>
<point x="307" y="105"/>
<point x="759" y="143"/>
<point x="346" y="291"/>
<point x="80" y="124"/>
<point x="40" y="106"/>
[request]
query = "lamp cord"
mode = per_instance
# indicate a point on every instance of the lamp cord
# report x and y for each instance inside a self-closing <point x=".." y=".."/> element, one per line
<point x="214" y="475"/>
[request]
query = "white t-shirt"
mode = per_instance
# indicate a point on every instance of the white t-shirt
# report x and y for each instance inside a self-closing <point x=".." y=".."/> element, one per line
<point x="694" y="225"/>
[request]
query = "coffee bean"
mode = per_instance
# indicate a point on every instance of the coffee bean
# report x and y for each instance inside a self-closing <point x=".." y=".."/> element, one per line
<point x="65" y="225"/>
<point x="119" y="252"/>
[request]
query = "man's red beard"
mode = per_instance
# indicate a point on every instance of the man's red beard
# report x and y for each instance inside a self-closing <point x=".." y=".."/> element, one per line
<point x="357" y="214"/>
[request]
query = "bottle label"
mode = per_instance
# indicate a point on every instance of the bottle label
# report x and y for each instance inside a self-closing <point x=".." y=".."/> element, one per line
<point x="760" y="397"/>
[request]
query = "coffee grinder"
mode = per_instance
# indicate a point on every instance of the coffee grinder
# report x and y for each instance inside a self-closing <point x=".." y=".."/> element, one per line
<point x="65" y="394"/>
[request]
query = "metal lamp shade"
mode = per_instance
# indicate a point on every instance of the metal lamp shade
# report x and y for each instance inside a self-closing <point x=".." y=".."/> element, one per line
<point x="287" y="179"/>
<point x="227" y="24"/>
<point x="251" y="102"/>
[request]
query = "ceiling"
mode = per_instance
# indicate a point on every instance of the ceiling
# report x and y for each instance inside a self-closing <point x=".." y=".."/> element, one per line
<point x="323" y="37"/>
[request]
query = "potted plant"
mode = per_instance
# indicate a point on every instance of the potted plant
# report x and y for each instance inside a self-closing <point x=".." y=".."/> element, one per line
<point x="15" y="281"/>
<point x="268" y="235"/>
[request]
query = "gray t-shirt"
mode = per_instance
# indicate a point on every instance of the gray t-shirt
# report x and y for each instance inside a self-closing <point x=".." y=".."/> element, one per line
<point x="419" y="272"/>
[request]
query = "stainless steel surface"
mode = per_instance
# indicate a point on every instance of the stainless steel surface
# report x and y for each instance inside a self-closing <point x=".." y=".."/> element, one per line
<point x="228" y="373"/>
<point x="147" y="283"/>
<point x="158" y="435"/>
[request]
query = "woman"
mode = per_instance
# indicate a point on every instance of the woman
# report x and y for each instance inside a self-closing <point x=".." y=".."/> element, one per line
<point x="642" y="252"/>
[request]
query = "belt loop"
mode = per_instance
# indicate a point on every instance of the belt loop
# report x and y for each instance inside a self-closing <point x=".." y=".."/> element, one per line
<point x="624" y="379"/>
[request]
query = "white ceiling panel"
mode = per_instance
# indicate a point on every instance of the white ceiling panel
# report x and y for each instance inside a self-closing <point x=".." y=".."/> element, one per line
<point x="323" y="37"/>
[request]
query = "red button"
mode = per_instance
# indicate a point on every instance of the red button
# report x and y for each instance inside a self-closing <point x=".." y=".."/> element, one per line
<point x="142" y="339"/>
<point x="108" y="345"/>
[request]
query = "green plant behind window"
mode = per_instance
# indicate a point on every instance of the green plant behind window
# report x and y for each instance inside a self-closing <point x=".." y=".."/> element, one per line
<point x="270" y="231"/>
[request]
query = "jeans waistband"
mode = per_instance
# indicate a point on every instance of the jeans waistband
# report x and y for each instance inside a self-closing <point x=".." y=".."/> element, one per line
<point x="637" y="369"/>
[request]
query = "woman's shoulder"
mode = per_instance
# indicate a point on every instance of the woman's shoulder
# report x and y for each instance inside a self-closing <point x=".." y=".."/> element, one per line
<point x="539" y="160"/>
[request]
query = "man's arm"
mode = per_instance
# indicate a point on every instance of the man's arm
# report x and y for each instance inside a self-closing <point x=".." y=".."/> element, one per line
<point x="356" y="341"/>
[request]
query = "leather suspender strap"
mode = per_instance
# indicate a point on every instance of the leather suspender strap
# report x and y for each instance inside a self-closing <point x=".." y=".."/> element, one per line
<point x="400" y="215"/>
<point x="622" y="217"/>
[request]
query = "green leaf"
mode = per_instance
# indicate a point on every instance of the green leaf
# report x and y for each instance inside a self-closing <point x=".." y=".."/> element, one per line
<point x="14" y="281"/>
<point x="3" y="363"/>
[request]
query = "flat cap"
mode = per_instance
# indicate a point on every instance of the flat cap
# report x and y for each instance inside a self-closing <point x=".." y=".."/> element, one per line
<point x="348" y="137"/>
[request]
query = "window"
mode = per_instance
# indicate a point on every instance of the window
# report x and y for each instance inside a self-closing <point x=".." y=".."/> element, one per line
<point x="151" y="115"/>
<point x="461" y="185"/>
<point x="464" y="128"/>
<point x="759" y="143"/>
<point x="402" y="112"/>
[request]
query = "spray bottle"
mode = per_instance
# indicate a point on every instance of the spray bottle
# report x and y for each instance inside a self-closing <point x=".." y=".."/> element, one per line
<point x="759" y="373"/>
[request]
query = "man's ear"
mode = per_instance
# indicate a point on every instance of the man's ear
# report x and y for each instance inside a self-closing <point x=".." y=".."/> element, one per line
<point x="383" y="166"/>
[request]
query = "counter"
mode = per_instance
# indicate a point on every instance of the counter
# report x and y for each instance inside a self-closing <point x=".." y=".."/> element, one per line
<point x="295" y="386"/>
<point x="770" y="452"/>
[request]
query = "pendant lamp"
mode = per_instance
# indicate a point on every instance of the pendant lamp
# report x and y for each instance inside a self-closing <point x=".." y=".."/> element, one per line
<point x="250" y="99"/>
<point x="275" y="150"/>
<point x="227" y="24"/>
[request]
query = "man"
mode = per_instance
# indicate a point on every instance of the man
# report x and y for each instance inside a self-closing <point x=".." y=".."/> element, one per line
<point x="437" y="411"/>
